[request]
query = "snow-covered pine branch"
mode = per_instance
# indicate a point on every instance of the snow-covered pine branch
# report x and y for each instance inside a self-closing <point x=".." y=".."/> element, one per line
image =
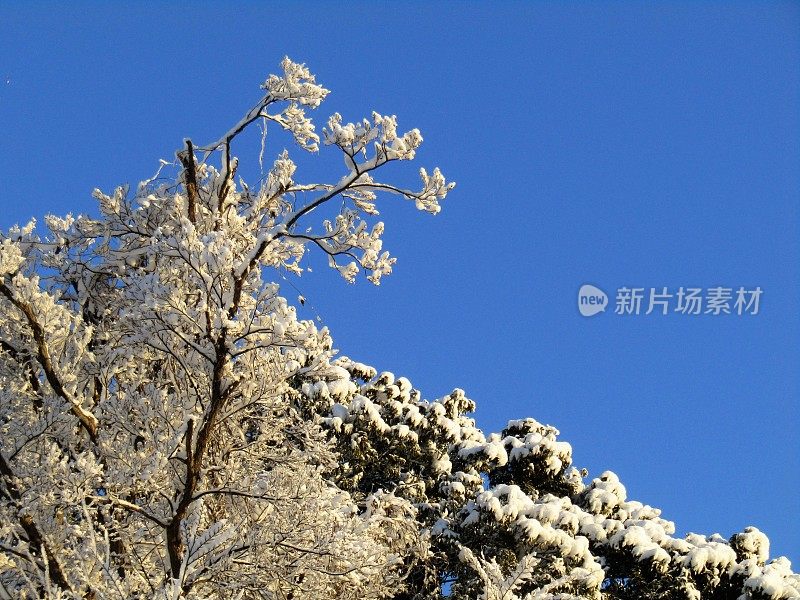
<point x="508" y="516"/>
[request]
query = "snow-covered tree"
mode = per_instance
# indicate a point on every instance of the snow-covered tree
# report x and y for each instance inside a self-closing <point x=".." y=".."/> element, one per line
<point x="151" y="445"/>
<point x="169" y="428"/>
<point x="508" y="517"/>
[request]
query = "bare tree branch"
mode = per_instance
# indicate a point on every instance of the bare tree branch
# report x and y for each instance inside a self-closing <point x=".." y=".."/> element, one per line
<point x="190" y="179"/>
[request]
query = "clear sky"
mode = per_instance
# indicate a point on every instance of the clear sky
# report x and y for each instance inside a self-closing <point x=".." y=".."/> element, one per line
<point x="619" y="144"/>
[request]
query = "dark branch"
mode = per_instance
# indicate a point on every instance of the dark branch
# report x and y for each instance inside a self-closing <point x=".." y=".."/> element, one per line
<point x="190" y="179"/>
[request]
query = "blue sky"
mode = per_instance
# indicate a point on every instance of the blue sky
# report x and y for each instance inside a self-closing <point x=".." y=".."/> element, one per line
<point x="619" y="144"/>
